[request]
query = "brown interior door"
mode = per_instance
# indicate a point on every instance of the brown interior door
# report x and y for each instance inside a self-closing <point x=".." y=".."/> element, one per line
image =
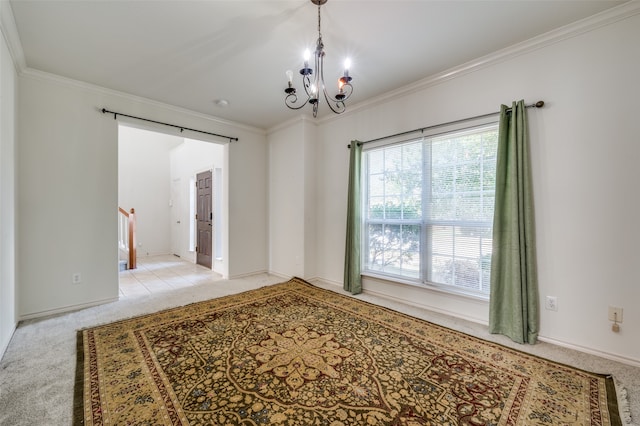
<point x="204" y="219"/>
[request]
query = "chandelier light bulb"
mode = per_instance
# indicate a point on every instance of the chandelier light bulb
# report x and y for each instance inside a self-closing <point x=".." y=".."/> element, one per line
<point x="344" y="80"/>
<point x="306" y="56"/>
<point x="289" y="75"/>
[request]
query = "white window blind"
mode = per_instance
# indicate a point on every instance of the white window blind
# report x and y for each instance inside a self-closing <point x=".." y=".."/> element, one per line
<point x="429" y="209"/>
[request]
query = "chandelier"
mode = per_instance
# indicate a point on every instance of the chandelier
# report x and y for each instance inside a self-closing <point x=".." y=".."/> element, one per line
<point x="313" y="84"/>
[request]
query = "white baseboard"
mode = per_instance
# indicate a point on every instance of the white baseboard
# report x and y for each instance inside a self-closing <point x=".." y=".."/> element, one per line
<point x="425" y="307"/>
<point x="606" y="355"/>
<point x="315" y="280"/>
<point x="602" y="354"/>
<point x="249" y="274"/>
<point x="403" y="301"/>
<point x="65" y="309"/>
<point x="280" y="275"/>
<point x="5" y="345"/>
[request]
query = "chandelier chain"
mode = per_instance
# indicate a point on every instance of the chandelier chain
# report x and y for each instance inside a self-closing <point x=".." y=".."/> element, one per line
<point x="319" y="33"/>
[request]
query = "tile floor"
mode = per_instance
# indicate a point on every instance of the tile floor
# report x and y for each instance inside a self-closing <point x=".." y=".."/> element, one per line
<point x="156" y="274"/>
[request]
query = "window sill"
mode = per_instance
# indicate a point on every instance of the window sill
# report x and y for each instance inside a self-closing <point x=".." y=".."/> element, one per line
<point x="425" y="286"/>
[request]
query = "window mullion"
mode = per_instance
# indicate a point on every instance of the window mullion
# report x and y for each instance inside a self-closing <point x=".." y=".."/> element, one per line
<point x="426" y="239"/>
<point x="366" y="202"/>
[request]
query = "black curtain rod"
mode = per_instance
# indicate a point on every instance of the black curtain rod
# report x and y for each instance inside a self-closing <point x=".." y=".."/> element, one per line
<point x="182" y="128"/>
<point x="538" y="104"/>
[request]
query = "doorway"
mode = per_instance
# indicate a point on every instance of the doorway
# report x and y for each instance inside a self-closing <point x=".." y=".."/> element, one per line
<point x="204" y="218"/>
<point x="157" y="173"/>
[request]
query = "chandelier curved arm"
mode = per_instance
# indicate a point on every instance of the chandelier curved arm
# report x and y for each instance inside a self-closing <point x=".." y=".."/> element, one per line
<point x="339" y="106"/>
<point x="336" y="103"/>
<point x="292" y="98"/>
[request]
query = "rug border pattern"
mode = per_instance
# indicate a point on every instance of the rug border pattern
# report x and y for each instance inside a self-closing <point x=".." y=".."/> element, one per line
<point x="84" y="368"/>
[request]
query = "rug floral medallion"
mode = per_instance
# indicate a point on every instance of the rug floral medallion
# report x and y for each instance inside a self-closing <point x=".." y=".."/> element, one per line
<point x="295" y="354"/>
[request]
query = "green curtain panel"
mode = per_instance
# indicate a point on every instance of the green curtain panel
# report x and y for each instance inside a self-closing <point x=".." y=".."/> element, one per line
<point x="352" y="279"/>
<point x="513" y="305"/>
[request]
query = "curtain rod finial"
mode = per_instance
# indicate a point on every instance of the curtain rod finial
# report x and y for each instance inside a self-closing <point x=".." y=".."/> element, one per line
<point x="539" y="104"/>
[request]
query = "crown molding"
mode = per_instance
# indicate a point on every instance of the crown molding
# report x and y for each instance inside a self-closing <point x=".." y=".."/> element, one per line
<point x="302" y="118"/>
<point x="607" y="17"/>
<point x="11" y="37"/>
<point x="10" y="33"/>
<point x="45" y="76"/>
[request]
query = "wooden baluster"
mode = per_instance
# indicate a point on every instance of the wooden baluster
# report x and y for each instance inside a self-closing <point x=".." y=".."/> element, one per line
<point x="132" y="239"/>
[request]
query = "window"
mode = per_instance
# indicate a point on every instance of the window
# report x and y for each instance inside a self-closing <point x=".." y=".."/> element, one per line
<point x="428" y="209"/>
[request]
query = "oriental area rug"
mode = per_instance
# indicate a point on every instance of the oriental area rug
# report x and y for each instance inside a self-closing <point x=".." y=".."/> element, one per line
<point x="294" y="354"/>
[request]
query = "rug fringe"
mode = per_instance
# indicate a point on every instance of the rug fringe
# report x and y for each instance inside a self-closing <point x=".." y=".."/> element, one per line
<point x="623" y="405"/>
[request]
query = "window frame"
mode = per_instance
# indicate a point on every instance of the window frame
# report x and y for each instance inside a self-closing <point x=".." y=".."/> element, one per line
<point x="425" y="274"/>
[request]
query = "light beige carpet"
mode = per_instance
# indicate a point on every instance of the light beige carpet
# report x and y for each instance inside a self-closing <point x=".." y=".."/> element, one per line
<point x="38" y="389"/>
<point x="295" y="354"/>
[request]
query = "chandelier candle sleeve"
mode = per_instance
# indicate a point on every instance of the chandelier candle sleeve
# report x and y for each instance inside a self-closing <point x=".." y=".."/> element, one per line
<point x="314" y="86"/>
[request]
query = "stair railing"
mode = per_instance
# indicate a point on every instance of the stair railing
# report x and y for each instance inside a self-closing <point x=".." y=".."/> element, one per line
<point x="127" y="234"/>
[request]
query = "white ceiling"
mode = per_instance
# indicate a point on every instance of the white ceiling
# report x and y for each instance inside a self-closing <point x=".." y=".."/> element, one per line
<point x="190" y="53"/>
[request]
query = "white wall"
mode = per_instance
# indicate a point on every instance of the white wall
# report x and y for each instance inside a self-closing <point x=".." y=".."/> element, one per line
<point x="144" y="184"/>
<point x="246" y="175"/>
<point x="68" y="184"/>
<point x="67" y="175"/>
<point x="187" y="160"/>
<point x="585" y="152"/>
<point x="8" y="219"/>
<point x="292" y="199"/>
<point x="286" y="200"/>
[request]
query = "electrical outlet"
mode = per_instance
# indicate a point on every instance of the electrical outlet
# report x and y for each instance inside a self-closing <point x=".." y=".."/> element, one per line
<point x="551" y="303"/>
<point x="76" y="278"/>
<point x="615" y="314"/>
